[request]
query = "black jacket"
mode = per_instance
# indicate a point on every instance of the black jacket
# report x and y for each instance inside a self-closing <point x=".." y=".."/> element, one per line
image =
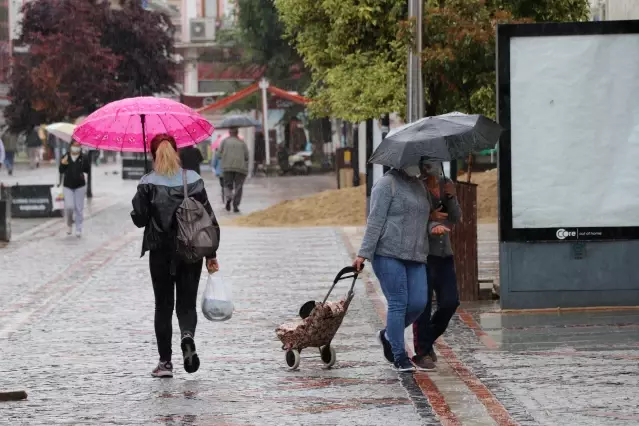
<point x="74" y="171"/>
<point x="191" y="158"/>
<point x="155" y="203"/>
<point x="33" y="139"/>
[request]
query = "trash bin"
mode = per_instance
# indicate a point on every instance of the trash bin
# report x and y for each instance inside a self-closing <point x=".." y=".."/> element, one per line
<point x="464" y="242"/>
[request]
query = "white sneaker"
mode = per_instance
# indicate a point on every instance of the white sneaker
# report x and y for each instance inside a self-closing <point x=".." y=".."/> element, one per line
<point x="164" y="369"/>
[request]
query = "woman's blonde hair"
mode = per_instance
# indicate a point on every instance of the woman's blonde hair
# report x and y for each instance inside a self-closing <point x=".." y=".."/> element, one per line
<point x="166" y="161"/>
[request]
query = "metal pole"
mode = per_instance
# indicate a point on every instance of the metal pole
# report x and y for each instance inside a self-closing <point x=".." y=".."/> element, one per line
<point x="267" y="149"/>
<point x="414" y="83"/>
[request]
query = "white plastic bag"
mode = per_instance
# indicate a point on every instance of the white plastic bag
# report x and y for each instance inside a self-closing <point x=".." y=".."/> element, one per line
<point x="217" y="303"/>
<point x="57" y="198"/>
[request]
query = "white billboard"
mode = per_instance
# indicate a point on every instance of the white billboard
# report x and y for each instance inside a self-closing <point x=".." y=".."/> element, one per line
<point x="574" y="104"/>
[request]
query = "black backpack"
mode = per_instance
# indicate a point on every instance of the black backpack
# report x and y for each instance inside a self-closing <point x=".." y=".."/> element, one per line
<point x="196" y="235"/>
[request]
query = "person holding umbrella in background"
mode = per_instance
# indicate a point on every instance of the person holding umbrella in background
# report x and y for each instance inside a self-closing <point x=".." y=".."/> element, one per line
<point x="234" y="156"/>
<point x="73" y="168"/>
<point x="442" y="278"/>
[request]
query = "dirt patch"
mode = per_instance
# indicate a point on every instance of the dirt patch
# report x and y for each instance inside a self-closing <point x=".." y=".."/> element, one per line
<point x="347" y="207"/>
<point x="486" y="195"/>
<point x="341" y="207"/>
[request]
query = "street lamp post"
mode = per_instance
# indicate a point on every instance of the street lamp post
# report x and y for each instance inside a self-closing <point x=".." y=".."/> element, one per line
<point x="267" y="149"/>
<point x="414" y="83"/>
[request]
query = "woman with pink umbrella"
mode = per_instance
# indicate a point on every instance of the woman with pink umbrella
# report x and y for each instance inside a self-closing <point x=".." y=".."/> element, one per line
<point x="123" y="126"/>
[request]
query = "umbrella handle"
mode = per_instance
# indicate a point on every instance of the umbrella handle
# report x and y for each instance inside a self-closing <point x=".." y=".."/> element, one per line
<point x="143" y="121"/>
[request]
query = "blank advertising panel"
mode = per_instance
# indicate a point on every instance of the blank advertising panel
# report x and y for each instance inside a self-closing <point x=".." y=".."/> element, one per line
<point x="571" y="105"/>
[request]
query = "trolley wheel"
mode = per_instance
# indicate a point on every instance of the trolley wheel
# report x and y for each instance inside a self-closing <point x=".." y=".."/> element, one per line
<point x="293" y="359"/>
<point x="328" y="355"/>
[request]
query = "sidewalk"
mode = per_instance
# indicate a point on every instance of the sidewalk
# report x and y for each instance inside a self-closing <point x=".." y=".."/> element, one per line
<point x="76" y="332"/>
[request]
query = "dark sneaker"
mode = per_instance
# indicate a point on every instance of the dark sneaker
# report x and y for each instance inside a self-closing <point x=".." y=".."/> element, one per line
<point x="388" y="350"/>
<point x="404" y="366"/>
<point x="191" y="360"/>
<point x="236" y="209"/>
<point x="228" y="206"/>
<point x="432" y="355"/>
<point x="424" y="363"/>
<point x="164" y="369"/>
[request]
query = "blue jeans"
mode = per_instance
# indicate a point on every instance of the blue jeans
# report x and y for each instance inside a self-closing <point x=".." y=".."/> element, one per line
<point x="8" y="159"/>
<point x="403" y="285"/>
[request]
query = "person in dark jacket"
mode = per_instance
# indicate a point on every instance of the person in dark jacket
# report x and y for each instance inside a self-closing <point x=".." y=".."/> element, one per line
<point x="73" y="168"/>
<point x="10" y="140"/>
<point x="191" y="158"/>
<point x="34" y="147"/>
<point x="158" y="197"/>
<point x="442" y="278"/>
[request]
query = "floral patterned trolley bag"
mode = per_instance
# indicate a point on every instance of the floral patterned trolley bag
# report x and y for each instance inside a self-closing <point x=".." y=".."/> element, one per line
<point x="319" y="324"/>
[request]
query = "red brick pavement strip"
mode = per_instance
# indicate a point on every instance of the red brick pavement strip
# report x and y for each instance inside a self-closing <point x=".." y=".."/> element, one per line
<point x="495" y="409"/>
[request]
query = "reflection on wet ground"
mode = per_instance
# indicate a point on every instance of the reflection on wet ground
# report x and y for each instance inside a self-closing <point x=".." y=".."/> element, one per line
<point x="554" y="368"/>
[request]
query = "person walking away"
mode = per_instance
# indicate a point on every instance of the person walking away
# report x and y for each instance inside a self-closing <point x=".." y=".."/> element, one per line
<point x="216" y="165"/>
<point x="396" y="242"/>
<point x="73" y="168"/>
<point x="235" y="155"/>
<point x="442" y="278"/>
<point x="34" y="147"/>
<point x="158" y="196"/>
<point x="1" y="153"/>
<point x="191" y="158"/>
<point x="10" y="141"/>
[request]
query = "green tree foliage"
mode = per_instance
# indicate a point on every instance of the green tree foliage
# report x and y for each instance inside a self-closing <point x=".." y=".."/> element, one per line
<point x="545" y="10"/>
<point x="261" y="34"/>
<point x="357" y="50"/>
<point x="354" y="50"/>
<point x="82" y="54"/>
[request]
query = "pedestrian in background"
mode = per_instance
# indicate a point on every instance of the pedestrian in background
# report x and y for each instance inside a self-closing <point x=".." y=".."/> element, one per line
<point x="73" y="168"/>
<point x="442" y="279"/>
<point x="216" y="166"/>
<point x="235" y="156"/>
<point x="158" y="197"/>
<point x="10" y="141"/>
<point x="1" y="153"/>
<point x="396" y="243"/>
<point x="34" y="147"/>
<point x="191" y="158"/>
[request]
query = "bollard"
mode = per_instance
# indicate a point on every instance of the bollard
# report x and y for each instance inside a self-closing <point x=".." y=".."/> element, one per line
<point x="5" y="214"/>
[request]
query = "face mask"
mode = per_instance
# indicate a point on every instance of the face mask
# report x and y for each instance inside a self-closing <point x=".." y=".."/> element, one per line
<point x="432" y="170"/>
<point x="75" y="149"/>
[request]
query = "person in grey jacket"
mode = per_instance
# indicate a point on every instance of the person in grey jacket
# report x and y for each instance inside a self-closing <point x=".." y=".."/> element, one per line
<point x="442" y="278"/>
<point x="396" y="243"/>
<point x="234" y="156"/>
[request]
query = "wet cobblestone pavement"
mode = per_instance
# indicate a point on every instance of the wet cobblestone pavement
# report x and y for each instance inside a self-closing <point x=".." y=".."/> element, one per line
<point x="76" y="332"/>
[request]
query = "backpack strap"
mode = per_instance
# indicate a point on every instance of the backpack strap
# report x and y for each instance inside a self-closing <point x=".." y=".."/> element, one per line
<point x="186" y="187"/>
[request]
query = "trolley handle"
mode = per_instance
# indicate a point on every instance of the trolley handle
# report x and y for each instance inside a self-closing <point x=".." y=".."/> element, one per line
<point x="344" y="275"/>
<point x="348" y="270"/>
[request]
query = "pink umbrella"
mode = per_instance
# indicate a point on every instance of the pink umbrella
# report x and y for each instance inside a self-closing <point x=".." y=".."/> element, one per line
<point x="123" y="125"/>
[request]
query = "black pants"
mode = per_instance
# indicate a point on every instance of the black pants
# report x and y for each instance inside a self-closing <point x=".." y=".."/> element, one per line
<point x="185" y="279"/>
<point x="234" y="182"/>
<point x="442" y="279"/>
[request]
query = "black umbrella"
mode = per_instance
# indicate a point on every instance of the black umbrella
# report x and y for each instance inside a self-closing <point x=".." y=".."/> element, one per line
<point x="440" y="138"/>
<point x="236" y="121"/>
